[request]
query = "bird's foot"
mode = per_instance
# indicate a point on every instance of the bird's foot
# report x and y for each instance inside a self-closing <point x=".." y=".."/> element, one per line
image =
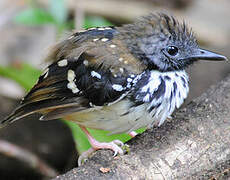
<point x="116" y="146"/>
<point x="133" y="134"/>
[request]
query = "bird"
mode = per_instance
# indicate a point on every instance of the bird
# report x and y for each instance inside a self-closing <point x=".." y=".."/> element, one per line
<point x="117" y="79"/>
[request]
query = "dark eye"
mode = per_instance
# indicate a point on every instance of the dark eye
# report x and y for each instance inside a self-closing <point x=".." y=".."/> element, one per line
<point x="172" y="50"/>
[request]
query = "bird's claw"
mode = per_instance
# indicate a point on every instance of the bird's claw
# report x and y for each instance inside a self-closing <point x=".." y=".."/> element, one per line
<point x="84" y="156"/>
<point x="115" y="145"/>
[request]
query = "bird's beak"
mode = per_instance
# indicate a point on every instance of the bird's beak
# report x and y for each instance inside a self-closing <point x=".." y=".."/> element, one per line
<point x="202" y="54"/>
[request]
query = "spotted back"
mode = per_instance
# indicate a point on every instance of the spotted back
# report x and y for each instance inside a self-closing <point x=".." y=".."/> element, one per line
<point x="101" y="48"/>
<point x="90" y="68"/>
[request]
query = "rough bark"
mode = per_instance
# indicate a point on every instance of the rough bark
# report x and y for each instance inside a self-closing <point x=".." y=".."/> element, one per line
<point x="195" y="144"/>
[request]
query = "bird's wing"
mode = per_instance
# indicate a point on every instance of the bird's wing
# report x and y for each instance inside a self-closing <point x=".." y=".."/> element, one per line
<point x="102" y="47"/>
<point x="87" y="71"/>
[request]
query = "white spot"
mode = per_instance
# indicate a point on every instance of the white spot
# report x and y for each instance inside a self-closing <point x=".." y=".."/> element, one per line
<point x="108" y="28"/>
<point x="45" y="73"/>
<point x="75" y="58"/>
<point x="86" y="63"/>
<point x="71" y="37"/>
<point x="96" y="39"/>
<point x="71" y="75"/>
<point x="95" y="74"/>
<point x="101" y="28"/>
<point x="129" y="80"/>
<point x="126" y="62"/>
<point x="121" y="59"/>
<point x="75" y="90"/>
<point x="115" y="75"/>
<point x="117" y="87"/>
<point x="92" y="28"/>
<point x="146" y="98"/>
<point x="90" y="103"/>
<point x="62" y="63"/>
<point x="104" y="39"/>
<point x="128" y="85"/>
<point x="121" y="70"/>
<point x="71" y="85"/>
<point x="132" y="75"/>
<point x="112" y="45"/>
<point x="111" y="70"/>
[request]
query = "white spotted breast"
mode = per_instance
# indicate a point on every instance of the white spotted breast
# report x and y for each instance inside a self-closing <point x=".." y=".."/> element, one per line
<point x="163" y="92"/>
<point x="155" y="96"/>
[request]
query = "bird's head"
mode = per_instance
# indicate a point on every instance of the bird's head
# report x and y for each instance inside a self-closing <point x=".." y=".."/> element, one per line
<point x="163" y="43"/>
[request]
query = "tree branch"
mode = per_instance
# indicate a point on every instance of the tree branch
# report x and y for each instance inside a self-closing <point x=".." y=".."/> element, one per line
<point x="194" y="144"/>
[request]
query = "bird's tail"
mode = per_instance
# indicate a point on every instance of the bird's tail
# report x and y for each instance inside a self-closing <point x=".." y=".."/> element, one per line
<point x="48" y="108"/>
<point x="50" y="97"/>
<point x="16" y="115"/>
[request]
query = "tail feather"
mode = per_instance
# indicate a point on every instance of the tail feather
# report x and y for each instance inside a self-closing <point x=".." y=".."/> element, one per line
<point x="50" y="109"/>
<point x="48" y="96"/>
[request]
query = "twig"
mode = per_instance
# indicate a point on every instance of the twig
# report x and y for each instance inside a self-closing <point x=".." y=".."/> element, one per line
<point x="14" y="151"/>
<point x="78" y="16"/>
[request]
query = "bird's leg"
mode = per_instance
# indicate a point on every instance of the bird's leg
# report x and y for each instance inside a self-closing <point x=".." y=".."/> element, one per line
<point x="96" y="145"/>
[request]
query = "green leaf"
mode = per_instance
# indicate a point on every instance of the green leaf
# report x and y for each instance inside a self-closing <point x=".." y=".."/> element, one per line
<point x="24" y="74"/>
<point x="96" y="21"/>
<point x="34" y="16"/>
<point x="58" y="10"/>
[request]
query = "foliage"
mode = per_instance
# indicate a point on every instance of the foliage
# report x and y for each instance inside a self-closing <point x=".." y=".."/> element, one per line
<point x="55" y="14"/>
<point x="24" y="74"/>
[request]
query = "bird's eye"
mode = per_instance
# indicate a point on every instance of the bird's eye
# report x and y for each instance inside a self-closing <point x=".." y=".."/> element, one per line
<point x="172" y="50"/>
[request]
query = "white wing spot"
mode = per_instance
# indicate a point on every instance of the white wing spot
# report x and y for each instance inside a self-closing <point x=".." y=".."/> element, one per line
<point x="100" y="28"/>
<point x="132" y="75"/>
<point x="45" y="73"/>
<point x="129" y="80"/>
<point x="62" y="63"/>
<point x="121" y="59"/>
<point x="92" y="28"/>
<point x="71" y="75"/>
<point x="112" y="45"/>
<point x="75" y="90"/>
<point x="95" y="74"/>
<point x="121" y="70"/>
<point x="104" y="39"/>
<point x="126" y="62"/>
<point x="71" y="85"/>
<point x="108" y="28"/>
<point x="111" y="70"/>
<point x="96" y="39"/>
<point x="117" y="87"/>
<point x="86" y="63"/>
